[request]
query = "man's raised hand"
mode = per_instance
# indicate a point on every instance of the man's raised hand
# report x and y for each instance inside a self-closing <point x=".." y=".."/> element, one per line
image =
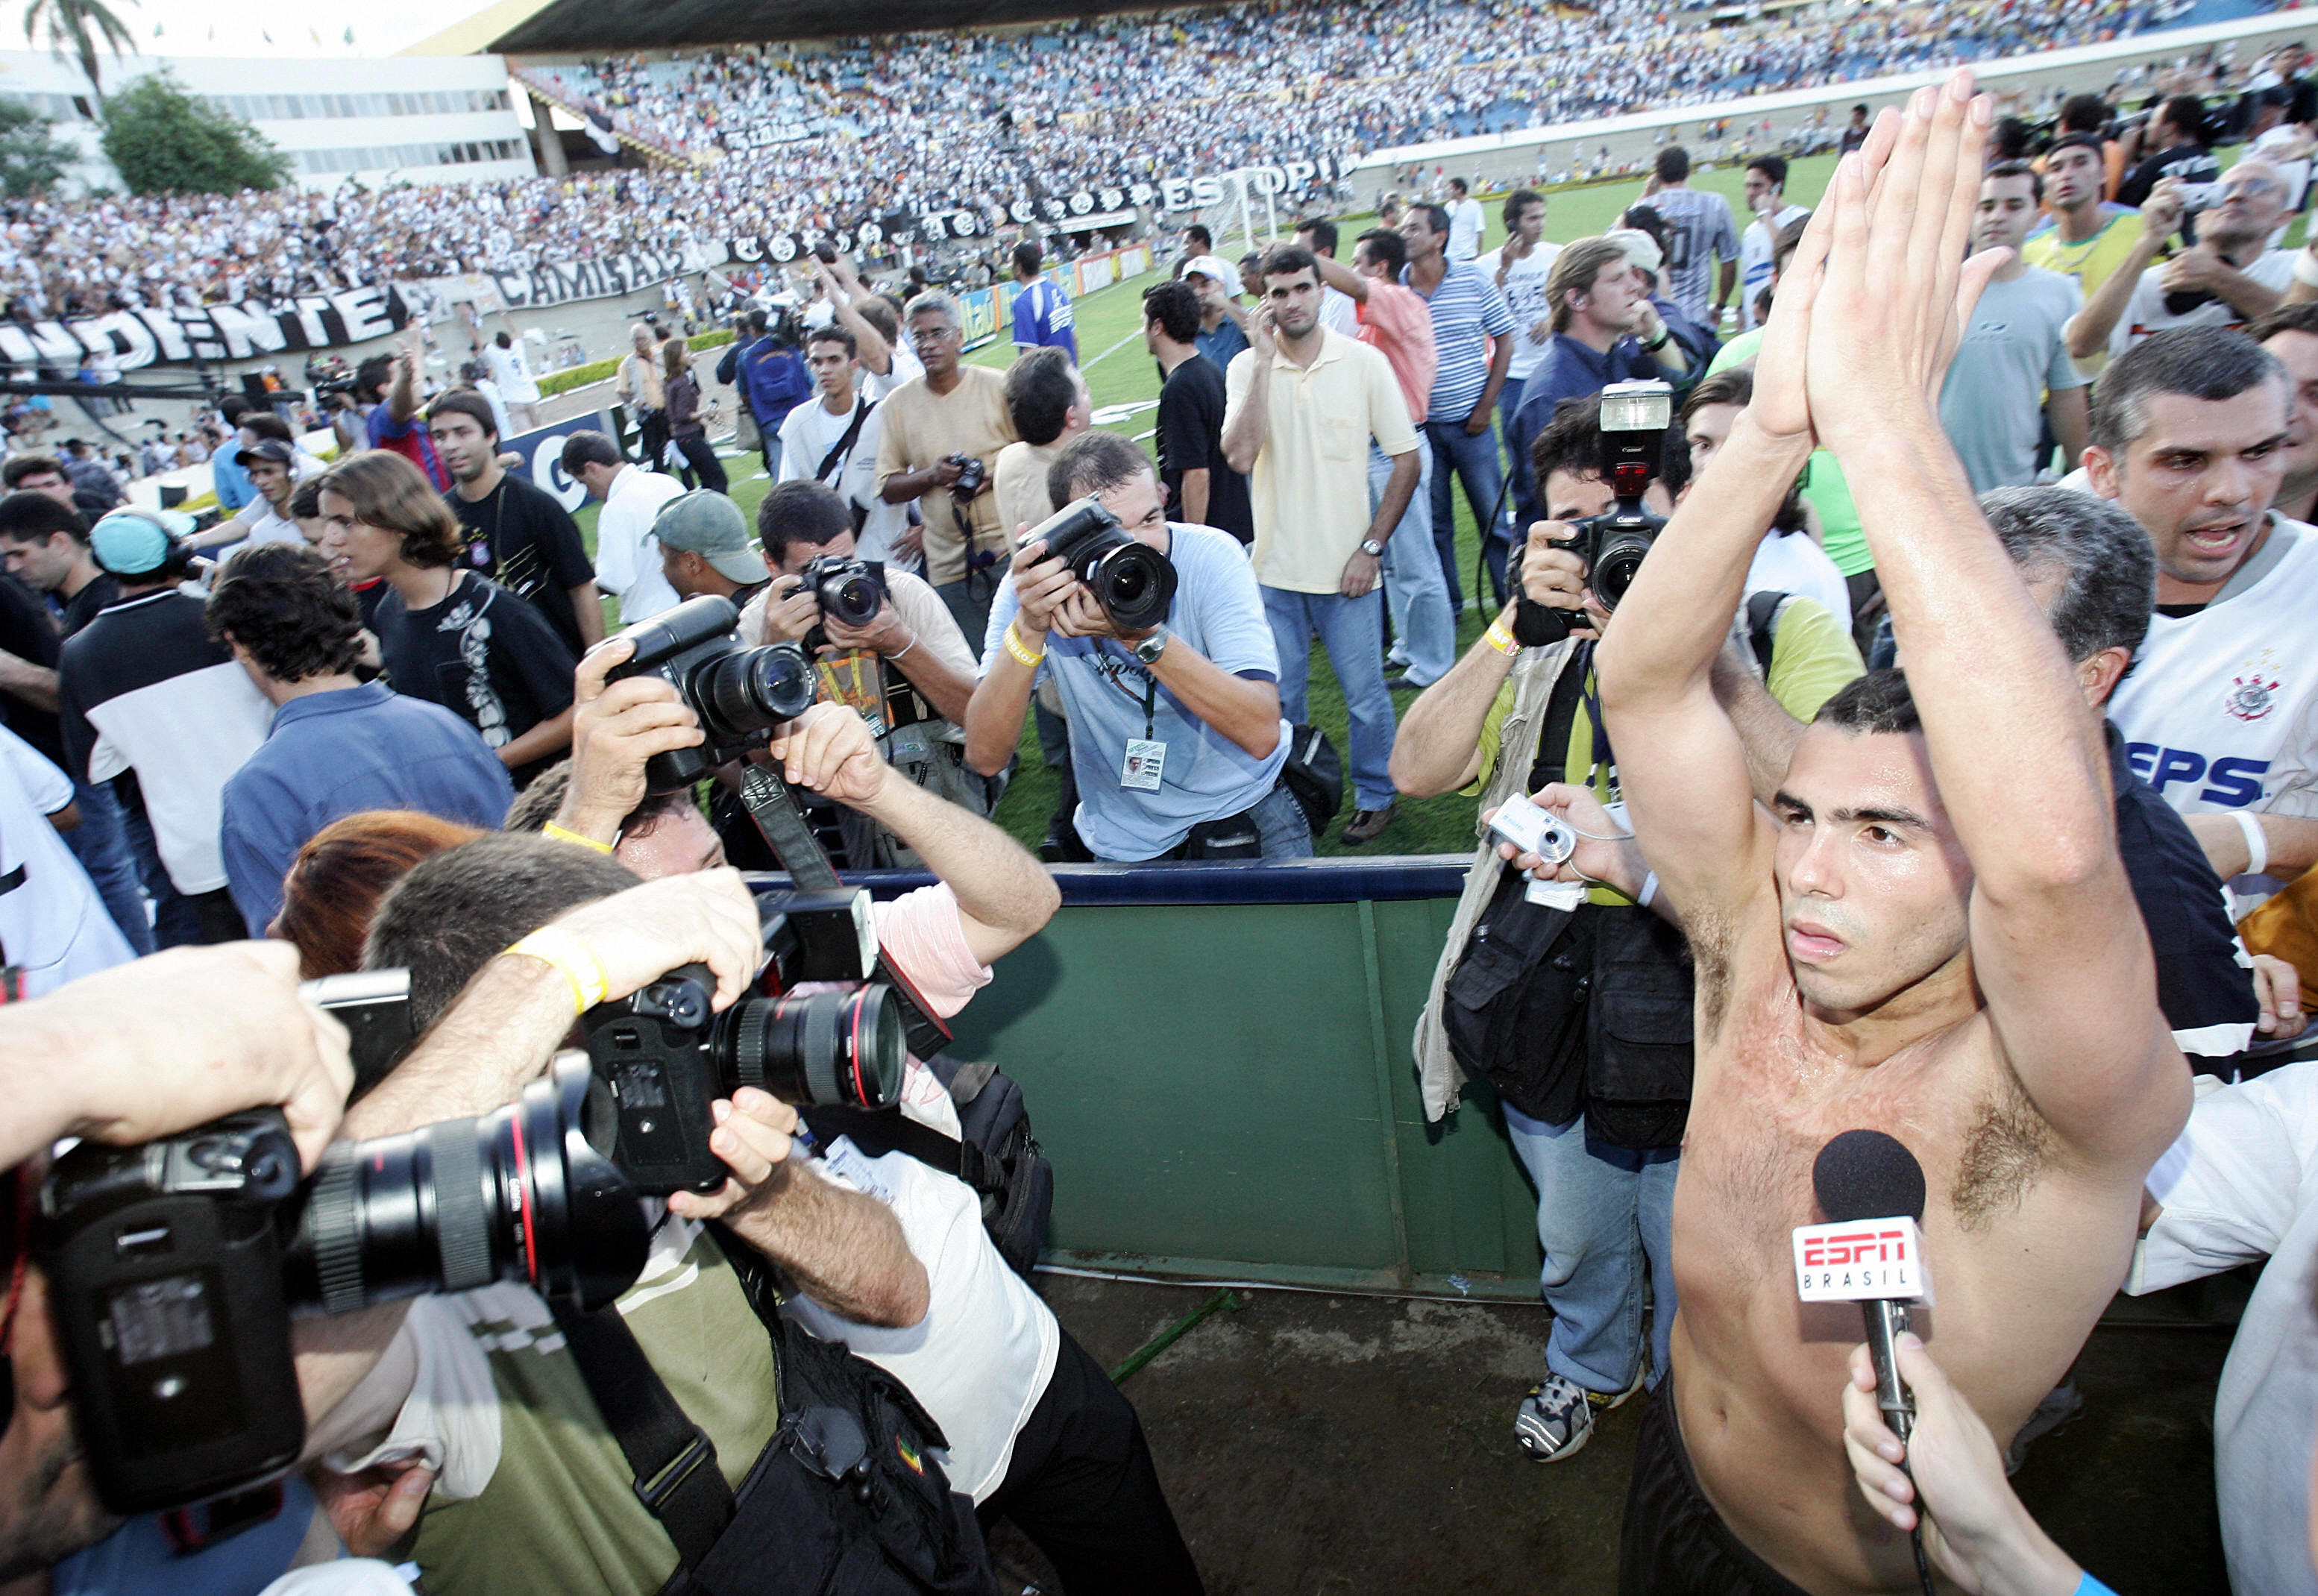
<point x="1895" y="290"/>
<point x="828" y="749"/>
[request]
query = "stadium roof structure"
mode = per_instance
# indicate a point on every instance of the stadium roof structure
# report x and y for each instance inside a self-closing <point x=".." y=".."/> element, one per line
<point x="556" y="27"/>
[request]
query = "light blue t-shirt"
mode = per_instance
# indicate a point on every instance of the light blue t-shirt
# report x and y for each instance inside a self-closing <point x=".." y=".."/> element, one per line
<point x="2015" y="351"/>
<point x="1217" y="612"/>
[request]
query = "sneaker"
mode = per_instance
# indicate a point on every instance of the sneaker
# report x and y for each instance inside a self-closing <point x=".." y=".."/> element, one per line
<point x="1367" y="823"/>
<point x="1556" y="1419"/>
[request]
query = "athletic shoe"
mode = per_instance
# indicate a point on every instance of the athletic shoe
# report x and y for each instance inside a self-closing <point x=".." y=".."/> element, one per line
<point x="1367" y="824"/>
<point x="1556" y="1419"/>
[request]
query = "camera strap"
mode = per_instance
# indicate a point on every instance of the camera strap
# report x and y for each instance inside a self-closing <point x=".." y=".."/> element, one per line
<point x="844" y="446"/>
<point x="672" y="1459"/>
<point x="773" y="807"/>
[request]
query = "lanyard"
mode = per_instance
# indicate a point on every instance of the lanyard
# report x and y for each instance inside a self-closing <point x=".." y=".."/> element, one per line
<point x="1150" y="702"/>
<point x="1603" y="757"/>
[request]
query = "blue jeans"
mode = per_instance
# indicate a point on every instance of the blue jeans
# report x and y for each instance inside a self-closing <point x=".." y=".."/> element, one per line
<point x="1353" y="632"/>
<point x="1473" y="460"/>
<point x="1281" y="829"/>
<point x="1413" y="589"/>
<point x="1606" y="1219"/>
<point x="102" y="847"/>
<point x="1509" y="400"/>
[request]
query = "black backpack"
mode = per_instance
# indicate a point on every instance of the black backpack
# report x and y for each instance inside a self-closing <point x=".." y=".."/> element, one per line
<point x="998" y="1155"/>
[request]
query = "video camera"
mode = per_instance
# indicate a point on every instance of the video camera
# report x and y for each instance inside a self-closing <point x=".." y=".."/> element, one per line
<point x="174" y="1268"/>
<point x="739" y="693"/>
<point x="1635" y="417"/>
<point x="1133" y="582"/>
<point x="851" y="590"/>
<point x="661" y="1056"/>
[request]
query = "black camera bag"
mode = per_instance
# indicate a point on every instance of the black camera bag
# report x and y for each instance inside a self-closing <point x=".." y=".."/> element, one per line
<point x="848" y="1498"/>
<point x="1514" y="1009"/>
<point x="998" y="1155"/>
<point x="1315" y="774"/>
<point x="1638" y="1042"/>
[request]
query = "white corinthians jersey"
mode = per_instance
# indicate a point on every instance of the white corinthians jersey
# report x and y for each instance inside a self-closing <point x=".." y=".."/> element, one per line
<point x="2220" y="710"/>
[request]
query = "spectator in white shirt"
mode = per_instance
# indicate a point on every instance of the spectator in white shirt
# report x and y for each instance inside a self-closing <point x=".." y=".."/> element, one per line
<point x="833" y="441"/>
<point x="2229" y="277"/>
<point x="503" y="358"/>
<point x="627" y="555"/>
<point x="1464" y="222"/>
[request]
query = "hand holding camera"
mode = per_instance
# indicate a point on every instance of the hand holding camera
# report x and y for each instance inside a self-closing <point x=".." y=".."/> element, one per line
<point x="791" y="610"/>
<point x="1119" y="588"/>
<point x="1609" y="547"/>
<point x="753" y="1136"/>
<point x="738" y="695"/>
<point x="617" y="729"/>
<point x="1041" y="583"/>
<point x="1573" y="837"/>
<point x="965" y="475"/>
<point x="175" y="1040"/>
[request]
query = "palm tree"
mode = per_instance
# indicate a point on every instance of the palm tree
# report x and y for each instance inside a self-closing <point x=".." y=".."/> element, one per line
<point x="73" y="28"/>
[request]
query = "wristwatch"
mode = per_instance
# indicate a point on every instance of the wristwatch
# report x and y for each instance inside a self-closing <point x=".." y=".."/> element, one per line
<point x="1371" y="548"/>
<point x="1149" y="649"/>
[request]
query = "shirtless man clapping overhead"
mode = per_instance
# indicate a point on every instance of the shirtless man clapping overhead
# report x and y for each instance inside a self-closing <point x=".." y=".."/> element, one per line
<point x="1929" y="934"/>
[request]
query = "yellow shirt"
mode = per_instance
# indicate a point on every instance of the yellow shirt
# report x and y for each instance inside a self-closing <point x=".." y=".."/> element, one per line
<point x="2091" y="263"/>
<point x="1309" y="489"/>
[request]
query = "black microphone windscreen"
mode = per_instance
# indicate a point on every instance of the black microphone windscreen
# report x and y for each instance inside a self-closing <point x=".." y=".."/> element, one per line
<point x="1867" y="1175"/>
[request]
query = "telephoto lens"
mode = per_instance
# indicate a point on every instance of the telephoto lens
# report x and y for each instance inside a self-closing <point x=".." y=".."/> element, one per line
<point x="838" y="1050"/>
<point x="740" y="695"/>
<point x="517" y="1195"/>
<point x="1133" y="582"/>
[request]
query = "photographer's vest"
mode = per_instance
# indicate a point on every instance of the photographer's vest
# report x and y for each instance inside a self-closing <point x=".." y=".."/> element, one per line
<point x="1563" y="1012"/>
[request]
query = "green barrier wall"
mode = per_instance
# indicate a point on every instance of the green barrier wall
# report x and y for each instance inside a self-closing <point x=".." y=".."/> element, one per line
<point x="1226" y="1091"/>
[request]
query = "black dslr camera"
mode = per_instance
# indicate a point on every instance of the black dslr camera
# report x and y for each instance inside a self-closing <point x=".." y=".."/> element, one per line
<point x="971" y="475"/>
<point x="660" y="1056"/>
<point x="173" y="1269"/>
<point x="1635" y="417"/>
<point x="851" y="590"/>
<point x="739" y="693"/>
<point x="1133" y="581"/>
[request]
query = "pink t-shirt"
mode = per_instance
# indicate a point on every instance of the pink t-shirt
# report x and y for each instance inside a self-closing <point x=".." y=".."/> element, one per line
<point x="1398" y="324"/>
<point x="920" y="934"/>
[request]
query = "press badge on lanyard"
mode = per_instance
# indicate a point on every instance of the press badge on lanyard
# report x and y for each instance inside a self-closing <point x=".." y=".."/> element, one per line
<point x="1145" y="759"/>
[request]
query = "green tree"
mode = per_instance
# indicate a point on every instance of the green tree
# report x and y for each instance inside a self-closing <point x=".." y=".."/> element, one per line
<point x="30" y="160"/>
<point x="74" y="28"/>
<point x="165" y="141"/>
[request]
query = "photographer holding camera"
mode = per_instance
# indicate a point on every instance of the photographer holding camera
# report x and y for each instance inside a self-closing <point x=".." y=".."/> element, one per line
<point x="1176" y="735"/>
<point x="940" y="441"/>
<point x="638" y="1424"/>
<point x="1595" y="1091"/>
<point x="1036" y="1434"/>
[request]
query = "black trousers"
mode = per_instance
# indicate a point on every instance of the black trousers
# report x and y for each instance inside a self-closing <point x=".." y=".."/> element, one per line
<point x="1673" y="1542"/>
<point x="1083" y="1487"/>
<point x="699" y="458"/>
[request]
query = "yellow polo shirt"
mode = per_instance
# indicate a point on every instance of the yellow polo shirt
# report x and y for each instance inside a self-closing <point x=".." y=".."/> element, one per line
<point x="1310" y="487"/>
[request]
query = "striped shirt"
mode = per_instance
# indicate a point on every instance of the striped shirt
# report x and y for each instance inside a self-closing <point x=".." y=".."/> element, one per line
<point x="1699" y="225"/>
<point x="1467" y="312"/>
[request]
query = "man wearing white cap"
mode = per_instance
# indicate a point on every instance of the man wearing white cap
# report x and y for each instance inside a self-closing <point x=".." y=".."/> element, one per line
<point x="1223" y="325"/>
<point x="145" y="691"/>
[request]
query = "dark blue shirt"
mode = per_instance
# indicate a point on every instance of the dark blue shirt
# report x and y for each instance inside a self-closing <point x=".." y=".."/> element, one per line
<point x="1222" y="344"/>
<point x="331" y="755"/>
<point x="1570" y="370"/>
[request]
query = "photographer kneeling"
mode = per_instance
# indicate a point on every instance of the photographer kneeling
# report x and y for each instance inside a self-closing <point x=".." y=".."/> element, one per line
<point x="1176" y="735"/>
<point x="1037" y="1433"/>
<point x="1595" y="1091"/>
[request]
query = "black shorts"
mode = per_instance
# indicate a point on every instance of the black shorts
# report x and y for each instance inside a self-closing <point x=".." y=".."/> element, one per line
<point x="1674" y="1543"/>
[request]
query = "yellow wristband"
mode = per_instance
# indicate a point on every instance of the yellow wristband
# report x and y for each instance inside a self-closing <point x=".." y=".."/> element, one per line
<point x="1022" y="655"/>
<point x="565" y="834"/>
<point x="1499" y="639"/>
<point x="574" y="959"/>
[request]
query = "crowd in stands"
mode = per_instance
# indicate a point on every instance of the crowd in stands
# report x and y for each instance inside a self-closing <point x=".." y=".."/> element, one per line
<point x="1740" y="844"/>
<point x="938" y="121"/>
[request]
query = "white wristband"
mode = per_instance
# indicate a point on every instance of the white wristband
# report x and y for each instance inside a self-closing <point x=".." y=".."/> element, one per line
<point x="1649" y="890"/>
<point x="2305" y="267"/>
<point x="2257" y="842"/>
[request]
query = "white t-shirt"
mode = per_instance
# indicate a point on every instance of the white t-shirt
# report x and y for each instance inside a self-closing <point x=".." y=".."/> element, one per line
<point x="2145" y="312"/>
<point x="1465" y="224"/>
<point x="1791" y="562"/>
<point x="512" y="372"/>
<point x="627" y="555"/>
<point x="904" y="367"/>
<point x="1525" y="291"/>
<point x="808" y="433"/>
<point x="2220" y="710"/>
<point x="2242" y="1185"/>
<point x="54" y="924"/>
<point x="1340" y="310"/>
<point x="1756" y="246"/>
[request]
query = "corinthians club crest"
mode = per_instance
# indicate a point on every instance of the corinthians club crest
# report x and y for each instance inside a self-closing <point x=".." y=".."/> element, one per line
<point x="2251" y="696"/>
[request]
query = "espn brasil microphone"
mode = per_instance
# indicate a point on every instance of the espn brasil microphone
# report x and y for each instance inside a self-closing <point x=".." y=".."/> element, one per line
<point x="1871" y="1251"/>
